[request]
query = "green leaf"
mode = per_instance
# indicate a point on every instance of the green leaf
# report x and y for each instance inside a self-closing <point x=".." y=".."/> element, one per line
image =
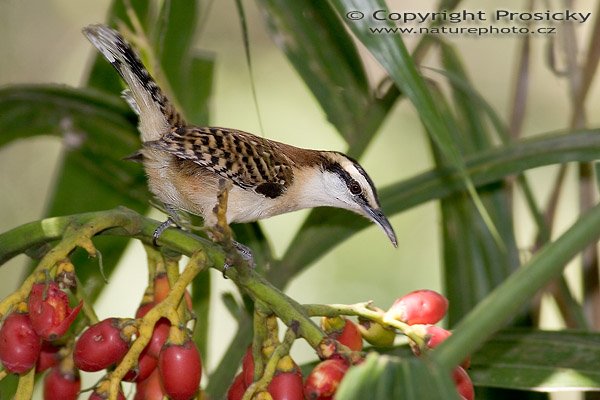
<point x="201" y="290"/>
<point x="323" y="53"/>
<point x="222" y="376"/>
<point x="183" y="67"/>
<point x="382" y="377"/>
<point x="539" y="360"/>
<point x="98" y="131"/>
<point x="505" y="301"/>
<point x="473" y="262"/>
<point x="325" y="228"/>
<point x="391" y="53"/>
<point x="96" y="165"/>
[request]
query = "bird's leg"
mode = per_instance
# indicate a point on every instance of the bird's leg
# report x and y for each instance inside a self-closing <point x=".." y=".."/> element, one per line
<point x="173" y="218"/>
<point x="221" y="233"/>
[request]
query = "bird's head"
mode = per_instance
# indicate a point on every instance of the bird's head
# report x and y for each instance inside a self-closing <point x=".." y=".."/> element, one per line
<point x="348" y="186"/>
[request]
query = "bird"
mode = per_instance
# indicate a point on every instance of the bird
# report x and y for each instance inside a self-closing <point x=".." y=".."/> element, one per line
<point x="185" y="164"/>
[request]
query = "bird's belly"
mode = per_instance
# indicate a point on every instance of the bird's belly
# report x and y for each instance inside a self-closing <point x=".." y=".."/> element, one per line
<point x="195" y="190"/>
<point x="248" y="206"/>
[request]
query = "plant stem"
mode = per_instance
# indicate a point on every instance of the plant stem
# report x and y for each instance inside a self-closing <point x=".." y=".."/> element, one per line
<point x="124" y="222"/>
<point x="365" y="310"/>
<point x="25" y="386"/>
<point x="271" y="367"/>
<point x="166" y="308"/>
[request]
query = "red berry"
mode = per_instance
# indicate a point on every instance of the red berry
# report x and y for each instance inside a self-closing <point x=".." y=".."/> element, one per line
<point x="146" y="364"/>
<point x="286" y="386"/>
<point x="19" y="344"/>
<point x="237" y="388"/>
<point x="49" y="310"/>
<point x="100" y="346"/>
<point x="143" y="309"/>
<point x="350" y="336"/>
<point x="463" y="383"/>
<point x="180" y="370"/>
<point x="162" y="289"/>
<point x="159" y="337"/>
<point x="48" y="357"/>
<point x="324" y="379"/>
<point x="60" y="385"/>
<point x="150" y="388"/>
<point x="419" y="307"/>
<point x="248" y="367"/>
<point x="436" y="335"/>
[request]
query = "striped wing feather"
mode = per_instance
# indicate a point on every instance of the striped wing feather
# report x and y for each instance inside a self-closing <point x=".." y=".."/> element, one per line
<point x="249" y="161"/>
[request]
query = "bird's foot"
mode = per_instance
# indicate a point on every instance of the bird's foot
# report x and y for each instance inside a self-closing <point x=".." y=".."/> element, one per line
<point x="160" y="229"/>
<point x="238" y="254"/>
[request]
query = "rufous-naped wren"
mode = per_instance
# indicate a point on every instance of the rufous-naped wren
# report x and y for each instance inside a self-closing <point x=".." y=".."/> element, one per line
<point x="184" y="163"/>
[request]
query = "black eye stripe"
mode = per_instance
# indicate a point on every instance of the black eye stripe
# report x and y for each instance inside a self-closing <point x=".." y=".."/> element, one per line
<point x="336" y="168"/>
<point x="351" y="183"/>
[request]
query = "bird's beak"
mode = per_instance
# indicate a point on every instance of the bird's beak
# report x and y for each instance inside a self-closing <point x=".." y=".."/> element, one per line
<point x="381" y="220"/>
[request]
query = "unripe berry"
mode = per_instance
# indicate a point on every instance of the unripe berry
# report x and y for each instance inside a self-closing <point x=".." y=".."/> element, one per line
<point x="418" y="307"/>
<point x="376" y="334"/>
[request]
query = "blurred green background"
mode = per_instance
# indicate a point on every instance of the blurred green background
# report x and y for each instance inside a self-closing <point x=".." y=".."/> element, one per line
<point x="41" y="43"/>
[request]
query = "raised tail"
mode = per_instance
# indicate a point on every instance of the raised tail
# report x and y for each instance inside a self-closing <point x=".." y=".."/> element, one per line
<point x="157" y="114"/>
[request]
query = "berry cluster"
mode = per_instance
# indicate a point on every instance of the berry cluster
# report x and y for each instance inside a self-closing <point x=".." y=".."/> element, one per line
<point x="420" y="310"/>
<point x="155" y="350"/>
<point x="413" y="314"/>
<point x="37" y="335"/>
<point x="31" y="336"/>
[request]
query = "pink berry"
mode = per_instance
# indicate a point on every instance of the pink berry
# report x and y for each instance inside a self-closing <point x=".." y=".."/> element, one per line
<point x="436" y="335"/>
<point x="419" y="307"/>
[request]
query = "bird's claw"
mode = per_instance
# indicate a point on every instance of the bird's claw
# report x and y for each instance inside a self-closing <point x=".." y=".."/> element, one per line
<point x="159" y="230"/>
<point x="243" y="252"/>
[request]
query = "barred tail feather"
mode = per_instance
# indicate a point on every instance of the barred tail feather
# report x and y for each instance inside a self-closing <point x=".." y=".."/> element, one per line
<point x="157" y="114"/>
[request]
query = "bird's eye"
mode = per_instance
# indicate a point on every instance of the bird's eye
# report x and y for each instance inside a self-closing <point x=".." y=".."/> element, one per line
<point x="355" y="188"/>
